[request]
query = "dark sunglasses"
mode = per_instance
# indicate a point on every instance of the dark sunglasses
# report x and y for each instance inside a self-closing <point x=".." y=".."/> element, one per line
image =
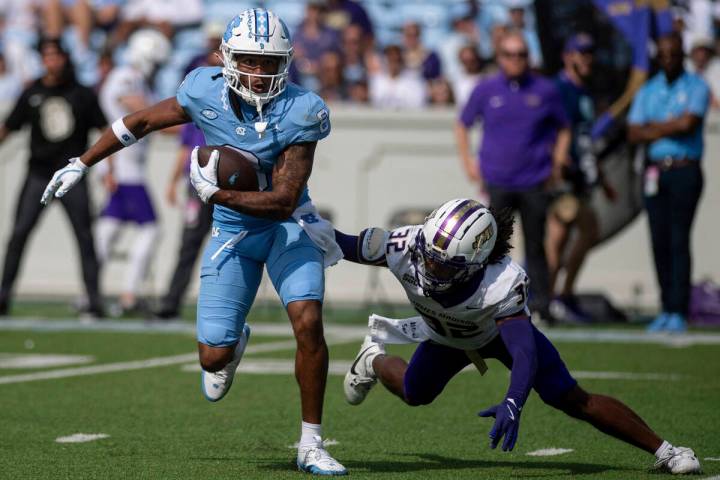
<point x="522" y="54"/>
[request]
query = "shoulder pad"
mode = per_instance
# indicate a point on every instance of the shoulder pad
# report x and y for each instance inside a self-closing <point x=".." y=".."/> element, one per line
<point x="311" y="109"/>
<point x="198" y="81"/>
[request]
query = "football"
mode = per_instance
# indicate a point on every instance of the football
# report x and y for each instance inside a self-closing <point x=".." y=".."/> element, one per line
<point x="235" y="171"/>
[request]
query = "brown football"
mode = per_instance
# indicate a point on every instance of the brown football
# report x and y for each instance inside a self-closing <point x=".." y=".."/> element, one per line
<point x="235" y="170"/>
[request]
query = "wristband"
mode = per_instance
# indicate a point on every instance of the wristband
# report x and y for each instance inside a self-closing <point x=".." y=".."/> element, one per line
<point x="122" y="133"/>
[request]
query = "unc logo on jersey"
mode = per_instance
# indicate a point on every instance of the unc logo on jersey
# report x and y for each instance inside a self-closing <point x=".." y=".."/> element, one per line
<point x="240" y="131"/>
<point x="209" y="114"/>
<point x="323" y="115"/>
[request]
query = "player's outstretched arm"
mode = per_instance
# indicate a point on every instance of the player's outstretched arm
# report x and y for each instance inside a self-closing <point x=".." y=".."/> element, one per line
<point x="367" y="248"/>
<point x="124" y="132"/>
<point x="290" y="176"/>
<point x="518" y="336"/>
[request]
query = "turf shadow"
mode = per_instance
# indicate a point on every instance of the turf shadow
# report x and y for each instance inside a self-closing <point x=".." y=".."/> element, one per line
<point x="431" y="461"/>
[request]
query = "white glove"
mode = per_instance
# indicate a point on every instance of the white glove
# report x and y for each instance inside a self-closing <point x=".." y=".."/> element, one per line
<point x="64" y="179"/>
<point x="204" y="179"/>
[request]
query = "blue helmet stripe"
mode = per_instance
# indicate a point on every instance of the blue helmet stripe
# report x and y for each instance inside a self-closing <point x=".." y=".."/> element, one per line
<point x="256" y="24"/>
<point x="267" y="26"/>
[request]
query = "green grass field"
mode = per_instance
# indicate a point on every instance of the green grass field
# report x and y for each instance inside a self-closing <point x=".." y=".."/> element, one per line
<point x="159" y="426"/>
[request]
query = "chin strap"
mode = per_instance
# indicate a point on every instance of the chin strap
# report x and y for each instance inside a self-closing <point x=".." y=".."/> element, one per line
<point x="260" y="126"/>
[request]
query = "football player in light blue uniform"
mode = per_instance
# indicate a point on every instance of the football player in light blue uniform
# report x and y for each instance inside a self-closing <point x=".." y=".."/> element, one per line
<point x="249" y="105"/>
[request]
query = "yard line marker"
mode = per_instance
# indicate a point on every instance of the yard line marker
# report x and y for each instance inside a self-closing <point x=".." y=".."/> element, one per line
<point x="275" y="366"/>
<point x="625" y="376"/>
<point x="549" y="452"/>
<point x="25" y="360"/>
<point x="573" y="335"/>
<point x="81" y="437"/>
<point x="713" y="459"/>
<point x="142" y="364"/>
<point x="95" y="369"/>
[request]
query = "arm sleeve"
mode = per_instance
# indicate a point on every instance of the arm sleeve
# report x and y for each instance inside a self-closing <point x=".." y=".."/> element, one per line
<point x="637" y="115"/>
<point x="473" y="108"/>
<point x="519" y="339"/>
<point x="367" y="248"/>
<point x="19" y="114"/>
<point x="699" y="99"/>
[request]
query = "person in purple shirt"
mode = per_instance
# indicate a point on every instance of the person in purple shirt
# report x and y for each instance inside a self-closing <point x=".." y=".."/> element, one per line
<point x="196" y="223"/>
<point x="312" y="40"/>
<point x="526" y="140"/>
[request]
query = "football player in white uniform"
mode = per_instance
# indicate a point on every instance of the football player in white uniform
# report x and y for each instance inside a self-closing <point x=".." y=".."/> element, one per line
<point x="471" y="298"/>
<point x="127" y="90"/>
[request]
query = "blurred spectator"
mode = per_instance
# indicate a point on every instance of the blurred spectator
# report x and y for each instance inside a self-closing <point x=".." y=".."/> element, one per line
<point x="694" y="19"/>
<point x="332" y="86"/>
<point x="517" y="21"/>
<point x="571" y="220"/>
<point x="61" y="114"/>
<point x="441" y="93"/>
<point x="197" y="222"/>
<point x="668" y="114"/>
<point x="10" y="84"/>
<point x="525" y="143"/>
<point x="395" y="86"/>
<point x="58" y="14"/>
<point x="468" y="78"/>
<point x="343" y="13"/>
<point x="104" y="67"/>
<point x="703" y="62"/>
<point x="125" y="91"/>
<point x="18" y="31"/>
<point x="211" y="55"/>
<point x="358" y="92"/>
<point x="417" y="57"/>
<point x="359" y="57"/>
<point x="168" y="17"/>
<point x="311" y="41"/>
<point x="464" y="32"/>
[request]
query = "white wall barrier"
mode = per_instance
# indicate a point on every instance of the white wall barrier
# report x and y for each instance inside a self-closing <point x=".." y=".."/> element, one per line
<point x="373" y="164"/>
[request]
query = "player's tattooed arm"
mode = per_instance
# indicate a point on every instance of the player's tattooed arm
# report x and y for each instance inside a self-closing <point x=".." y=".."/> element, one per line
<point x="367" y="248"/>
<point x="166" y="113"/>
<point x="290" y="176"/>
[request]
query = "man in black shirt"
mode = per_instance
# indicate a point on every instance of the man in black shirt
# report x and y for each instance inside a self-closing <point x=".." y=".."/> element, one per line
<point x="61" y="113"/>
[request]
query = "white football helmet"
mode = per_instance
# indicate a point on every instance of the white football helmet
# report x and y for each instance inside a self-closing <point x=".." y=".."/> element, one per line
<point x="453" y="244"/>
<point x="256" y="31"/>
<point x="147" y="50"/>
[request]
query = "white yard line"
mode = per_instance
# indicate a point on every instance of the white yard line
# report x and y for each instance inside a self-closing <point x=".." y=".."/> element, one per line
<point x="81" y="437"/>
<point x="573" y="335"/>
<point x="549" y="452"/>
<point x="142" y="364"/>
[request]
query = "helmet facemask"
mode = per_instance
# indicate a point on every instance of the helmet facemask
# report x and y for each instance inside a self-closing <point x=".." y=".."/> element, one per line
<point x="240" y="82"/>
<point x="436" y="271"/>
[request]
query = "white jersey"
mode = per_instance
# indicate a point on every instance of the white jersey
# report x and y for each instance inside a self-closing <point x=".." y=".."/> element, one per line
<point x="470" y="324"/>
<point x="128" y="163"/>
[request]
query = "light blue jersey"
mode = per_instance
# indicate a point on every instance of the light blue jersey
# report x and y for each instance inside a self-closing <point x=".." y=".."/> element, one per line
<point x="295" y="116"/>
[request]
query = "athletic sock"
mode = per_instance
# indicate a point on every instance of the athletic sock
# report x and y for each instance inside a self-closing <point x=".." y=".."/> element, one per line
<point x="662" y="450"/>
<point x="308" y="432"/>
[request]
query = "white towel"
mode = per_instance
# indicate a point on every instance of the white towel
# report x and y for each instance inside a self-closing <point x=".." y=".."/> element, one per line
<point x="320" y="231"/>
<point x="398" y="331"/>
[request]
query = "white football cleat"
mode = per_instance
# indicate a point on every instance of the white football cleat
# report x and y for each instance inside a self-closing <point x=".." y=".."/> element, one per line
<point x="315" y="459"/>
<point x="215" y="385"/>
<point x="361" y="376"/>
<point x="678" y="460"/>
